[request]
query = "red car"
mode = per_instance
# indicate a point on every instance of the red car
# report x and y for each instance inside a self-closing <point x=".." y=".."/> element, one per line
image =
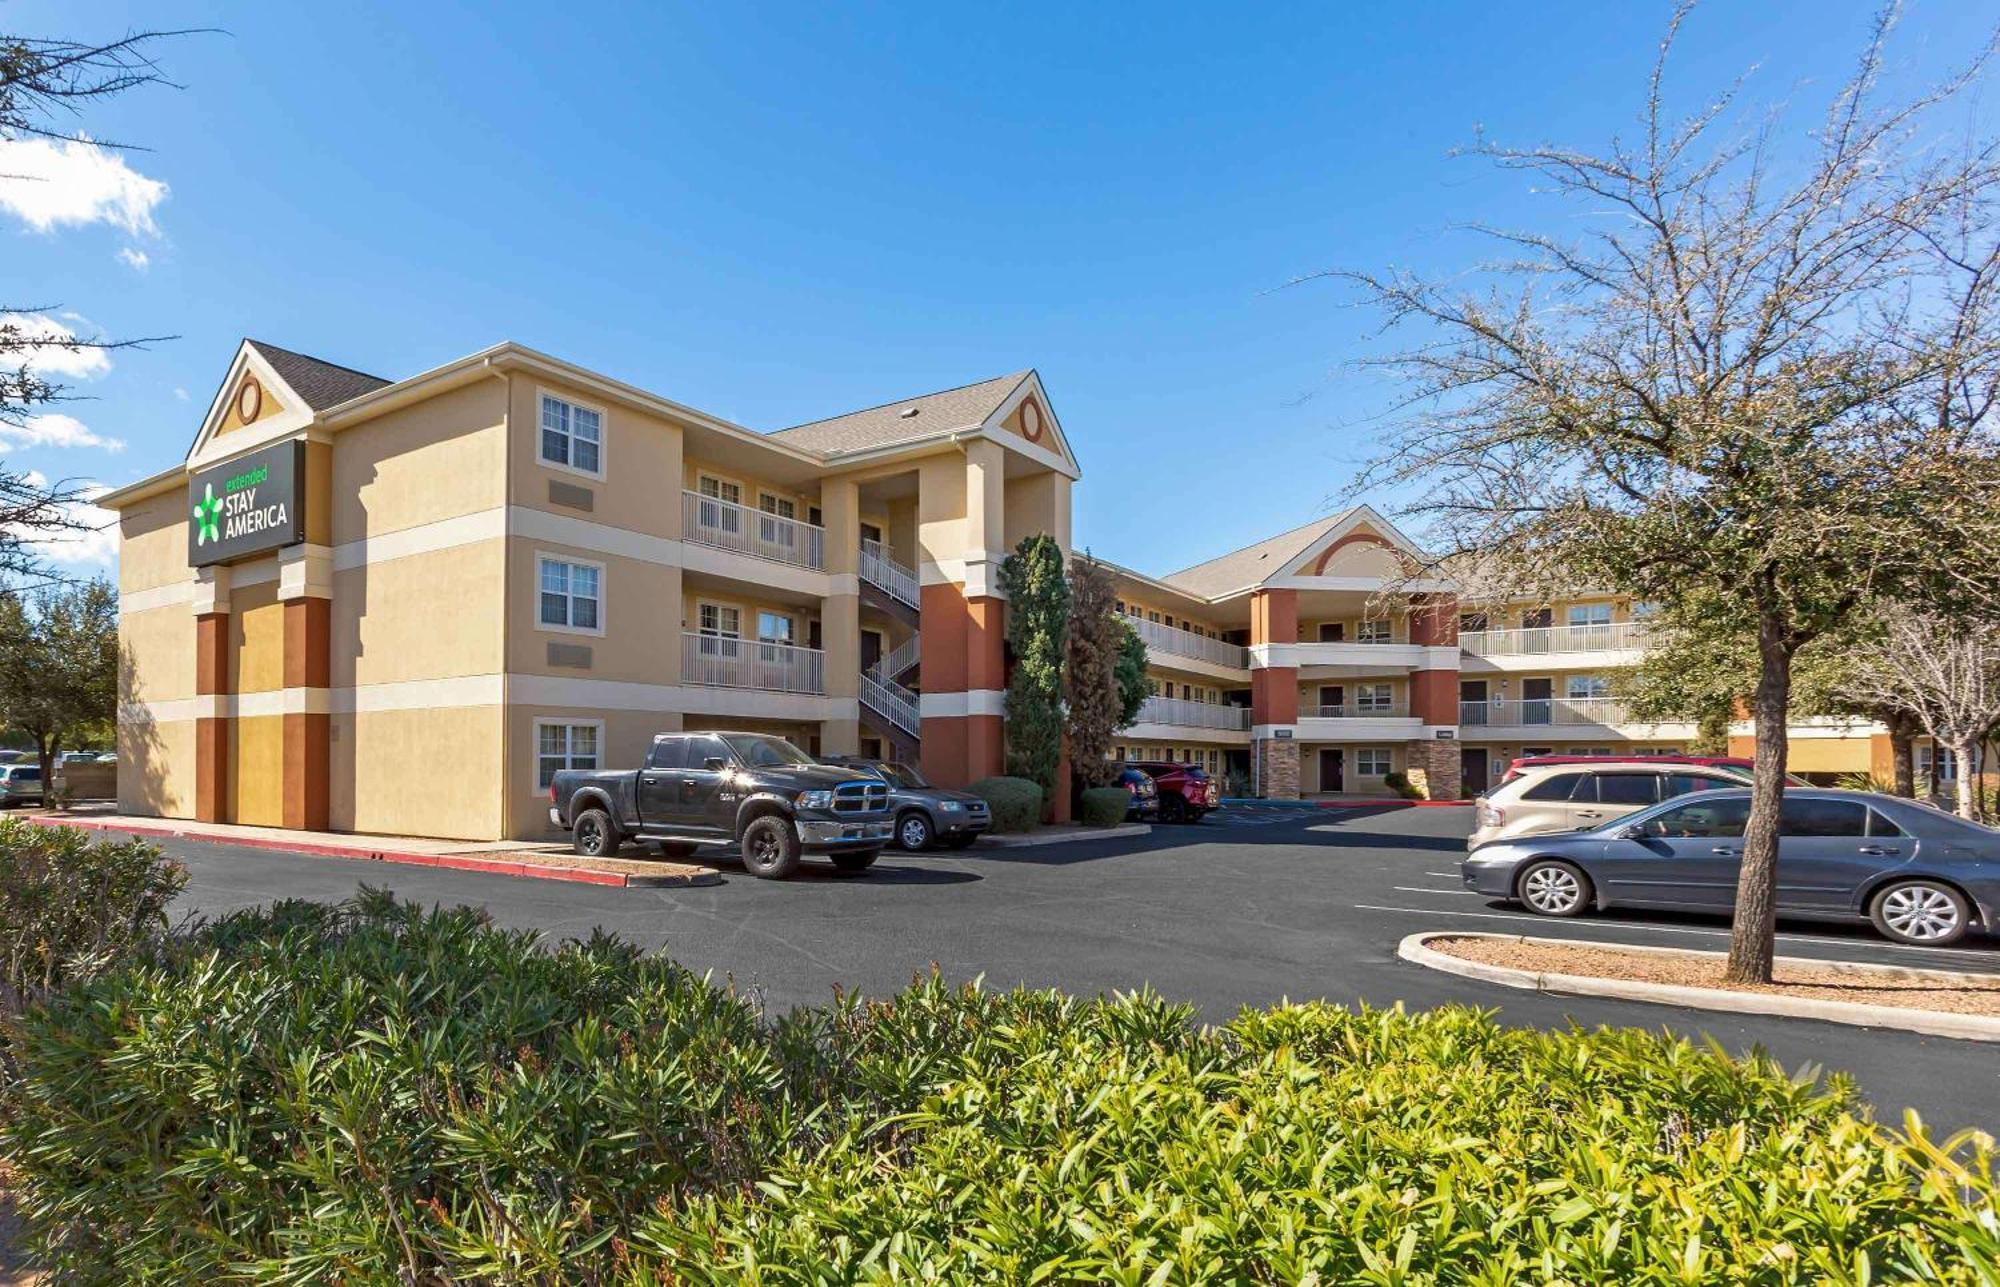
<point x="1514" y="770"/>
<point x="1186" y="793"/>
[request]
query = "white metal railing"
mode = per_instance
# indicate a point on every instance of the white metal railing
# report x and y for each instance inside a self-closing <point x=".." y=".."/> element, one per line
<point x="898" y="659"/>
<point x="1544" y="710"/>
<point x="1612" y="636"/>
<point x="897" y="703"/>
<point x="1394" y="708"/>
<point x="727" y="525"/>
<point x="1186" y="643"/>
<point x="1183" y="713"/>
<point x="879" y="568"/>
<point x="718" y="661"/>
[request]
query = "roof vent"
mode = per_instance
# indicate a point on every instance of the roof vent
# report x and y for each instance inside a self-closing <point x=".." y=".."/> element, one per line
<point x="907" y="413"/>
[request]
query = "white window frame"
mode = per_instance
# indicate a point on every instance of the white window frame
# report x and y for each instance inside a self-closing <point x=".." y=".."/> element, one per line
<point x="1932" y="754"/>
<point x="1363" y="631"/>
<point x="1388" y="761"/>
<point x="1595" y="686"/>
<point x="569" y="753"/>
<point x="1587" y="614"/>
<point x="1374" y="699"/>
<point x="770" y="529"/>
<point x="603" y="433"/>
<point x="727" y="509"/>
<point x="603" y="597"/>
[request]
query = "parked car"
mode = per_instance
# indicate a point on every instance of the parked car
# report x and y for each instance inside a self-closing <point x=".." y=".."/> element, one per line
<point x="1523" y="763"/>
<point x="1145" y="794"/>
<point x="758" y="793"/>
<point x="20" y="784"/>
<point x="1572" y="797"/>
<point x="1919" y="874"/>
<point x="1186" y="792"/>
<point x="16" y="757"/>
<point x="924" y="814"/>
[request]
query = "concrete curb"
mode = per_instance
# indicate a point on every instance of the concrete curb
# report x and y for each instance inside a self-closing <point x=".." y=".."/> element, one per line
<point x="1387" y="802"/>
<point x="1935" y="1023"/>
<point x="453" y="862"/>
<point x="1033" y="840"/>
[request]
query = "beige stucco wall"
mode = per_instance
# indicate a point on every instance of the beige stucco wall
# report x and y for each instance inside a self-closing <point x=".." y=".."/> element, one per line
<point x="1309" y="775"/>
<point x="431" y="772"/>
<point x="156" y="767"/>
<point x="435" y="615"/>
<point x="440" y="458"/>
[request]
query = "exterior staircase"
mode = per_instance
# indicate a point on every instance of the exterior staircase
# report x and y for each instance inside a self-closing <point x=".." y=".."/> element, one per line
<point x="888" y="586"/>
<point x="889" y="709"/>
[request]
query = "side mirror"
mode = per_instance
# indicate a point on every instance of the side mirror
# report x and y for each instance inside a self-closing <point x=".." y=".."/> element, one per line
<point x="715" y="764"/>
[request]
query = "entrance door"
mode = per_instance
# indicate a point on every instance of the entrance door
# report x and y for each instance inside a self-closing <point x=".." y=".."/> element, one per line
<point x="1537" y="701"/>
<point x="1332" y="700"/>
<point x="1332" y="769"/>
<point x="1472" y="701"/>
<point x="1472" y="769"/>
<point x="871" y="649"/>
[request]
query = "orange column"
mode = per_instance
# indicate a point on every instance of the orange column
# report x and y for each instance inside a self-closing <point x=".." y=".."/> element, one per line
<point x="211" y="730"/>
<point x="1434" y="684"/>
<point x="308" y="729"/>
<point x="1274" y="693"/>
<point x="947" y="621"/>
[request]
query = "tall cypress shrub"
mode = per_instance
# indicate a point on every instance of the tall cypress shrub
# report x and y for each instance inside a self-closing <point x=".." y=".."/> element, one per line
<point x="1095" y="703"/>
<point x="1037" y="623"/>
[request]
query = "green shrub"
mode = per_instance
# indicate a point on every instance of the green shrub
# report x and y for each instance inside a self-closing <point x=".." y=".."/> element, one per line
<point x="373" y="1094"/>
<point x="1103" y="806"/>
<point x="1399" y="782"/>
<point x="1016" y="802"/>
<point x="71" y="907"/>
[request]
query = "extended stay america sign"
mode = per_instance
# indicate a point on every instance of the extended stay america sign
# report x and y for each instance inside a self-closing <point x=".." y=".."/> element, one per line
<point x="250" y="505"/>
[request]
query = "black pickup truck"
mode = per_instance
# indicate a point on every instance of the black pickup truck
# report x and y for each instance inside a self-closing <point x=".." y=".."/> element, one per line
<point x="750" y="790"/>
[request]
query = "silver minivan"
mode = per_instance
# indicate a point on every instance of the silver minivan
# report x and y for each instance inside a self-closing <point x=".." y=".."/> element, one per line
<point x="1574" y="797"/>
<point x="20" y="784"/>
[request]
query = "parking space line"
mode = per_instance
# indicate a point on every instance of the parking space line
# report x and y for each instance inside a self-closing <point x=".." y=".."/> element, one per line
<point x="1448" y="875"/>
<point x="1551" y="923"/>
<point x="1462" y="893"/>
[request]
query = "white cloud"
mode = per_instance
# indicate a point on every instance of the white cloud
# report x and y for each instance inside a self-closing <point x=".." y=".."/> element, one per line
<point x="96" y="543"/>
<point x="180" y="394"/>
<point x="74" y="363"/>
<point x="56" y="430"/>
<point x="134" y="258"/>
<point x="49" y="185"/>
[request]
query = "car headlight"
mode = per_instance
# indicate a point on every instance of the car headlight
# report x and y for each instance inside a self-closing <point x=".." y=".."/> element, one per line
<point x="950" y="806"/>
<point x="815" y="800"/>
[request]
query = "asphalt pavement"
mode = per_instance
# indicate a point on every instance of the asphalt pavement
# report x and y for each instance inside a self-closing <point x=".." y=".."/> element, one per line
<point x="1251" y="907"/>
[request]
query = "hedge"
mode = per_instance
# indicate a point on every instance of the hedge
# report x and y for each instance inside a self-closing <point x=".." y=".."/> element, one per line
<point x="71" y="906"/>
<point x="373" y="1093"/>
<point x="1103" y="806"/>
<point x="1016" y="802"/>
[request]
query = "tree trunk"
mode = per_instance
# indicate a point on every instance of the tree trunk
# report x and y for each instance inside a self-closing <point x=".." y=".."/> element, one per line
<point x="1963" y="751"/>
<point x="1903" y="755"/>
<point x="1752" y="938"/>
<point x="45" y="753"/>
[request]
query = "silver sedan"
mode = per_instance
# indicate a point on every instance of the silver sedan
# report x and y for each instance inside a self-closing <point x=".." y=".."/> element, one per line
<point x="1920" y="875"/>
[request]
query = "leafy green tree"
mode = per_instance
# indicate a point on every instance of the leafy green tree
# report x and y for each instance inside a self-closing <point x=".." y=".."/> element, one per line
<point x="59" y="665"/>
<point x="1037" y="626"/>
<point x="1759" y="386"/>
<point x="1092" y="683"/>
<point x="1133" y="688"/>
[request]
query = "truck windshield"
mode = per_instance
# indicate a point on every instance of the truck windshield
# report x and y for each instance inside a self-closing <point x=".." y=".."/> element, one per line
<point x="766" y="752"/>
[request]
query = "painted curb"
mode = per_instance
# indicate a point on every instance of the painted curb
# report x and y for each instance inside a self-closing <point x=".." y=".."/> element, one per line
<point x="1387" y="802"/>
<point x="453" y="862"/>
<point x="1934" y="1023"/>
<point x="990" y="841"/>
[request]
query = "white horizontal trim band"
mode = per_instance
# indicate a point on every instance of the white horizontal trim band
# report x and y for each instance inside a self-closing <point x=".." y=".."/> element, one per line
<point x="980" y="701"/>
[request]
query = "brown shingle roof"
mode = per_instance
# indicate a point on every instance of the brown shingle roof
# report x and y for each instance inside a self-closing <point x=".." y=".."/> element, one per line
<point x="966" y="407"/>
<point x="321" y="384"/>
<point x="1252" y="563"/>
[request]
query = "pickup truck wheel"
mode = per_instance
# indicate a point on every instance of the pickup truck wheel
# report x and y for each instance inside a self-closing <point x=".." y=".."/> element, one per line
<point x="856" y="861"/>
<point x="913" y="831"/>
<point x="594" y="834"/>
<point x="771" y="848"/>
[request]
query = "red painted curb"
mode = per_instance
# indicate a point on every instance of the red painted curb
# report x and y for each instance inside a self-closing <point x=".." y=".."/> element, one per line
<point x="491" y="866"/>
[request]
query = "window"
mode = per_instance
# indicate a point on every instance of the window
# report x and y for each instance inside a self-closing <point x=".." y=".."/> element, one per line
<point x="569" y="599"/>
<point x="1372" y="698"/>
<point x="1472" y="623"/>
<point x="572" y="435"/>
<point x="1121" y="602"/>
<point x="1556" y="786"/>
<point x="1702" y="819"/>
<point x="773" y="630"/>
<point x="720" y="627"/>
<point x="1642" y="610"/>
<point x="1938" y="758"/>
<point x="1372" y="632"/>
<point x="870" y="532"/>
<point x="1371" y="762"/>
<point x="668" y="753"/>
<point x="1682" y="783"/>
<point x="769" y="529"/>
<point x="563" y="746"/>
<point x="1802" y="817"/>
<point x="718" y="507"/>
<point x="1590" y="614"/>
<point x="1631" y="789"/>
<point x="1583" y="688"/>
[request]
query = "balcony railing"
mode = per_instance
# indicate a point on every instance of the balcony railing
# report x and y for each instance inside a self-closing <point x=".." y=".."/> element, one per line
<point x="899" y="582"/>
<point x="1571" y="711"/>
<point x="1181" y="713"/>
<point x="1394" y="708"/>
<point x="717" y="661"/>
<point x="1613" y="636"/>
<point x="1186" y="643"/>
<point x="898" y="659"/>
<point x="729" y="526"/>
<point x="896" y="703"/>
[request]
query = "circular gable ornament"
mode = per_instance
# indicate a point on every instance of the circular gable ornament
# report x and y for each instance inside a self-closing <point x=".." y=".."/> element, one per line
<point x="249" y="399"/>
<point x="1031" y="421"/>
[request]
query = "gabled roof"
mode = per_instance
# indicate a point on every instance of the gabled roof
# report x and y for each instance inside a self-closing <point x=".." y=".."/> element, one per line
<point x="322" y="384"/>
<point x="1253" y="563"/>
<point x="966" y="407"/>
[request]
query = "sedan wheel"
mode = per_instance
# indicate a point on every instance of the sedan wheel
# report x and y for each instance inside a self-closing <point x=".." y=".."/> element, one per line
<point x="1921" y="911"/>
<point x="1553" y="888"/>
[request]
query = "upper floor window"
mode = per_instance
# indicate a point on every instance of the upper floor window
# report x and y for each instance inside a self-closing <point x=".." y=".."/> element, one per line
<point x="572" y="435"/>
<point x="769" y="529"/>
<point x="1373" y="697"/>
<point x="1372" y="632"/>
<point x="774" y="628"/>
<point x="1472" y="623"/>
<point x="718" y="505"/>
<point x="570" y="595"/>
<point x="718" y="621"/>
<point x="1580" y="688"/>
<point x="1590" y="614"/>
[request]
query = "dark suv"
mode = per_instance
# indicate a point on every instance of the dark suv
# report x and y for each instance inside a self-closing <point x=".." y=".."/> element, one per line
<point x="758" y="793"/>
<point x="925" y="814"/>
<point x="1186" y="792"/>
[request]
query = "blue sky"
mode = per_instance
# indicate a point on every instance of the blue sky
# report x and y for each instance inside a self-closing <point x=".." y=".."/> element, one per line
<point x="777" y="213"/>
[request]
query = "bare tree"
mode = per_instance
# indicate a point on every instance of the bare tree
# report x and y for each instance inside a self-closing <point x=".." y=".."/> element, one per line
<point x="1941" y="673"/>
<point x="45" y="85"/>
<point x="1760" y="384"/>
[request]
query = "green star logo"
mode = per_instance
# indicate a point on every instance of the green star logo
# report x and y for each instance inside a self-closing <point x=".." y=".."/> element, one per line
<point x="206" y="528"/>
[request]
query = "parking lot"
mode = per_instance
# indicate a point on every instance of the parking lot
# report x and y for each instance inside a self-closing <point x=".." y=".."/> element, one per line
<point x="1253" y="906"/>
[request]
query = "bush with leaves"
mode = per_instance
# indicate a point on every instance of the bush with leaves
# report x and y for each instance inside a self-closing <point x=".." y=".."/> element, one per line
<point x="374" y="1093"/>
<point x="71" y="907"/>
<point x="1015" y="803"/>
<point x="1103" y="806"/>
